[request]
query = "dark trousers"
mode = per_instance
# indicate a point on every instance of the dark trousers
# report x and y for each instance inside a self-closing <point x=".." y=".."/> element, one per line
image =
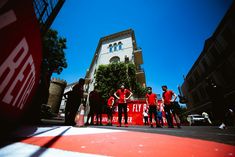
<point x="120" y="107"/>
<point x="168" y="110"/>
<point x="70" y="114"/>
<point x="160" y="121"/>
<point x="152" y="111"/>
<point x="146" y="120"/>
<point x="110" y="113"/>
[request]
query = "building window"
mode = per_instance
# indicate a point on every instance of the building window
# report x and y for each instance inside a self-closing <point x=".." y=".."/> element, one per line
<point x="202" y="92"/>
<point x="195" y="97"/>
<point x="126" y="59"/>
<point x="119" y="45"/>
<point x="190" y="82"/>
<point x="115" y="46"/>
<point x="205" y="65"/>
<point x="110" y="48"/>
<point x="196" y="75"/>
<point x="228" y="36"/>
<point x="214" y="52"/>
<point x="114" y="59"/>
<point x="226" y="71"/>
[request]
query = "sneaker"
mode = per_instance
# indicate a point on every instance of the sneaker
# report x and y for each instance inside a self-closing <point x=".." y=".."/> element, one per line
<point x="119" y="125"/>
<point x="222" y="126"/>
<point x="178" y="126"/>
<point x="158" y="126"/>
<point x="151" y="126"/>
<point x="126" y="125"/>
<point x="170" y="126"/>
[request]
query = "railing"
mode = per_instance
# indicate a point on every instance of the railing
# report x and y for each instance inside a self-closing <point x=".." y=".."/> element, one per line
<point x="46" y="11"/>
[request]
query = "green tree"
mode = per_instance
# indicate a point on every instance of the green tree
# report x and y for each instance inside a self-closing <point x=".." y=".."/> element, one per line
<point x="54" y="60"/>
<point x="109" y="77"/>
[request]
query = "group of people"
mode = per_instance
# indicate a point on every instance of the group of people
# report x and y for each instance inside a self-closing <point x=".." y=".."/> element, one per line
<point x="75" y="99"/>
<point x="96" y="102"/>
<point x="154" y="110"/>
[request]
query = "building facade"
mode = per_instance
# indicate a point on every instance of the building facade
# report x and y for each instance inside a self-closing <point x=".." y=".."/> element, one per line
<point x="216" y="62"/>
<point x="118" y="47"/>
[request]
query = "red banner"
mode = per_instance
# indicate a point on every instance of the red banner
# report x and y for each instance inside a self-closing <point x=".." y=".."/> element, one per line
<point x="20" y="61"/>
<point x="135" y="113"/>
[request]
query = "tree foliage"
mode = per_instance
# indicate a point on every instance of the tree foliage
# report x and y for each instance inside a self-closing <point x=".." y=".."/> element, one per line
<point x="110" y="77"/>
<point x="53" y="53"/>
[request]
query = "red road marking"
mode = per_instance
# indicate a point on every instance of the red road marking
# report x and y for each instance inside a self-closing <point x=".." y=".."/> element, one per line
<point x="136" y="144"/>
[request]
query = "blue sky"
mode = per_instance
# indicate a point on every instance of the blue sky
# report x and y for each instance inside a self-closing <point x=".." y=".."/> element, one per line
<point x="171" y="33"/>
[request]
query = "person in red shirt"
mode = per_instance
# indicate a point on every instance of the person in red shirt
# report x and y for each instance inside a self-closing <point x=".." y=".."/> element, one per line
<point x="151" y="101"/>
<point x="168" y="99"/>
<point x="122" y="95"/>
<point x="110" y="104"/>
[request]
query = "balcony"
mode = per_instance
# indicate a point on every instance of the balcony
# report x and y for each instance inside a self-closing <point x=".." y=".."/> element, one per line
<point x="138" y="58"/>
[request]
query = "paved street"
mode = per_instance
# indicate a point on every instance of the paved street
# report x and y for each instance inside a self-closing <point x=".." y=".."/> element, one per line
<point x="196" y="141"/>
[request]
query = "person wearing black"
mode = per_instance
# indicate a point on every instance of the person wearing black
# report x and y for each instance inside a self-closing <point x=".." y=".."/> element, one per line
<point x="122" y="95"/>
<point x="151" y="101"/>
<point x="216" y="96"/>
<point x="168" y="100"/>
<point x="74" y="99"/>
<point x="96" y="107"/>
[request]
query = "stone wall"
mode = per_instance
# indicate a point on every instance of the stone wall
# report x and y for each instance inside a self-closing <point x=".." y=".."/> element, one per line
<point x="56" y="91"/>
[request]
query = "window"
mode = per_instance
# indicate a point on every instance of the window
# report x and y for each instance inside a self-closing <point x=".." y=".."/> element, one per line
<point x="110" y="48"/>
<point x="114" y="59"/>
<point x="227" y="73"/>
<point x="205" y="65"/>
<point x="196" y="75"/>
<point x="214" y="52"/>
<point x="195" y="97"/>
<point x="190" y="82"/>
<point x="202" y="92"/>
<point x="228" y="36"/>
<point x="119" y="45"/>
<point x="126" y="59"/>
<point x="115" y="46"/>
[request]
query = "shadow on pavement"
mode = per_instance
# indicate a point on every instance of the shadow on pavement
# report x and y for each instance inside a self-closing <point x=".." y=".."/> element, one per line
<point x="20" y="134"/>
<point x="47" y="145"/>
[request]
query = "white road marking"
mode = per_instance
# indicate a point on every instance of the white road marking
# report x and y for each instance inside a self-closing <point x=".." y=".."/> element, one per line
<point x="28" y="150"/>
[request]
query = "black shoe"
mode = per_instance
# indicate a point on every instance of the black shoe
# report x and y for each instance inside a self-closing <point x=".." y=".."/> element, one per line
<point x="151" y="126"/>
<point x="158" y="126"/>
<point x="170" y="126"/>
<point x="178" y="126"/>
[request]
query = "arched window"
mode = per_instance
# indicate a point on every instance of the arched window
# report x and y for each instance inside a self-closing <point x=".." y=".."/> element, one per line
<point x="119" y="45"/>
<point x="114" y="59"/>
<point x="115" y="46"/>
<point x="110" y="48"/>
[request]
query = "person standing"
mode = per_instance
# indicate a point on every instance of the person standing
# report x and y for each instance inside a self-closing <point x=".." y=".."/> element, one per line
<point x="122" y="95"/>
<point x="145" y="115"/>
<point x="168" y="99"/>
<point x="96" y="107"/>
<point x="159" y="116"/>
<point x="216" y="95"/>
<point x="74" y="99"/>
<point x="110" y="104"/>
<point x="151" y="101"/>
